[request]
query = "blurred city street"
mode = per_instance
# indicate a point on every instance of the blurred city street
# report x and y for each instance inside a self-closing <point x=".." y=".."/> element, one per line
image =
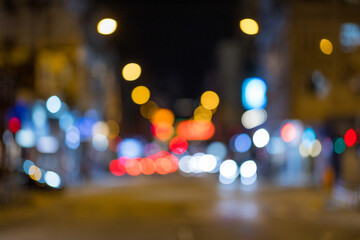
<point x="181" y="120"/>
<point x="175" y="207"/>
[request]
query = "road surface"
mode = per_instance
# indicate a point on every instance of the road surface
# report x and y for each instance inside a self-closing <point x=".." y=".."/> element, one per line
<point x="178" y="208"/>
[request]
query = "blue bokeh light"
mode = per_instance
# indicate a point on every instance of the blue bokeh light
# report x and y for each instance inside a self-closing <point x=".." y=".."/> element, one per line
<point x="130" y="147"/>
<point x="254" y="93"/>
<point x="217" y="149"/>
<point x="66" y="120"/>
<point x="39" y="117"/>
<point x="242" y="143"/>
<point x="72" y="138"/>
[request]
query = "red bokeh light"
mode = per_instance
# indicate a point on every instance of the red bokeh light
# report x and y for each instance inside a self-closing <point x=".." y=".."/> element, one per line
<point x="178" y="145"/>
<point x="350" y="137"/>
<point x="117" y="167"/>
<point x="288" y="132"/>
<point x="14" y="124"/>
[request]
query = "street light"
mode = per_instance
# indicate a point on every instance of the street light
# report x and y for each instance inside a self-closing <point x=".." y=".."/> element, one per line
<point x="107" y="26"/>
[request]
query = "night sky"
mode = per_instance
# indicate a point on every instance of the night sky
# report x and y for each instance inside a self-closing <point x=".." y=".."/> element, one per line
<point x="174" y="41"/>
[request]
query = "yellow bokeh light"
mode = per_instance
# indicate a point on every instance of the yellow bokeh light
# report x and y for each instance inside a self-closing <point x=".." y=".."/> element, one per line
<point x="201" y="113"/>
<point x="210" y="100"/>
<point x="140" y="95"/>
<point x="107" y="26"/>
<point x="131" y="71"/>
<point x="249" y="26"/>
<point x="35" y="173"/>
<point x="114" y="128"/>
<point x="100" y="128"/>
<point x="163" y="115"/>
<point x="326" y="46"/>
<point x="148" y="109"/>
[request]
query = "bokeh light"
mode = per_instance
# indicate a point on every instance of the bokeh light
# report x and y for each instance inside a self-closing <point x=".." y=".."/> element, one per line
<point x="148" y="109"/>
<point x="131" y="71"/>
<point x="276" y="146"/>
<point x="350" y="137"/>
<point x="47" y="144"/>
<point x="72" y="137"/>
<point x="163" y="115"/>
<point x="210" y="100"/>
<point x="203" y="114"/>
<point x="249" y="26"/>
<point x="26" y="166"/>
<point x="178" y="145"/>
<point x="163" y="165"/>
<point x="39" y="117"/>
<point x="132" y="167"/>
<point x="140" y="95"/>
<point x="248" y="169"/>
<point x="53" y="104"/>
<point x="52" y="179"/>
<point x="14" y="124"/>
<point x="261" y="138"/>
<point x="253" y="118"/>
<point x="195" y="130"/>
<point x="162" y="131"/>
<point x="339" y="145"/>
<point x="218" y="149"/>
<point x="85" y="125"/>
<point x="326" y="46"/>
<point x="100" y="142"/>
<point x="184" y="164"/>
<point x="114" y="128"/>
<point x="225" y="180"/>
<point x="248" y="180"/>
<point x="106" y="26"/>
<point x="100" y="128"/>
<point x="308" y="137"/>
<point x="147" y="166"/>
<point x="229" y="169"/>
<point x="130" y="147"/>
<point x="254" y="93"/>
<point x="316" y="148"/>
<point x="35" y="173"/>
<point x="25" y="138"/>
<point x="66" y="120"/>
<point x="288" y="132"/>
<point x="207" y="163"/>
<point x="242" y="143"/>
<point x="117" y="166"/>
<point x="327" y="147"/>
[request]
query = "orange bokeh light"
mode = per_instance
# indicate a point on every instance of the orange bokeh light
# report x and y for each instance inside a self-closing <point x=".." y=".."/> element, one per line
<point x="195" y="130"/>
<point x="147" y="166"/>
<point x="132" y="167"/>
<point x="163" y="115"/>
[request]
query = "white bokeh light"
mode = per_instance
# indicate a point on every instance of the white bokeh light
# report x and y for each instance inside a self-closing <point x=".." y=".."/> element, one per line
<point x="248" y="169"/>
<point x="261" y="138"/>
<point x="53" y="104"/>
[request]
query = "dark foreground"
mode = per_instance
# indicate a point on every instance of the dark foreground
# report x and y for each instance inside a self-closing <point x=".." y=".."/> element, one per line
<point x="173" y="207"/>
